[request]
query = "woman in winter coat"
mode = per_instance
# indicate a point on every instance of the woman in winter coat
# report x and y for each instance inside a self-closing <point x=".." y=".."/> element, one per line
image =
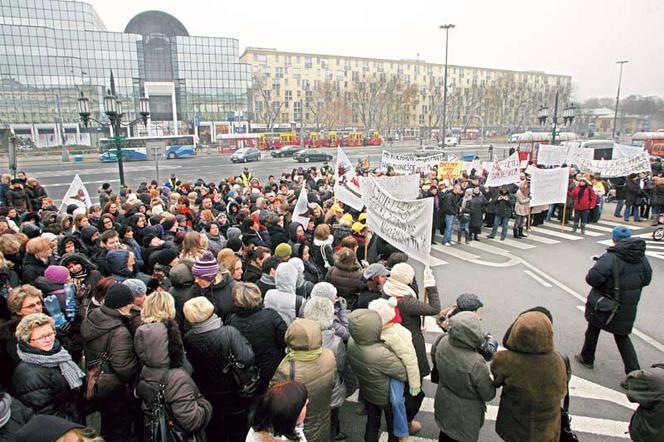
<point x="646" y="388"/>
<point x="46" y="380"/>
<point x="316" y="368"/>
<point x="346" y="275"/>
<point x="263" y="327"/>
<point x="213" y="283"/>
<point x="283" y="298"/>
<point x="534" y="381"/>
<point x="38" y="256"/>
<point x="584" y="200"/>
<point x="216" y="241"/>
<point x="208" y="345"/>
<point x="8" y="280"/>
<point x="254" y="264"/>
<point x="13" y="416"/>
<point x="322" y="253"/>
<point x="159" y="348"/>
<point x="521" y="209"/>
<point x="657" y="197"/>
<point x="280" y="414"/>
<point x="475" y="209"/>
<point x="465" y="384"/>
<point x="321" y="310"/>
<point x="84" y="276"/>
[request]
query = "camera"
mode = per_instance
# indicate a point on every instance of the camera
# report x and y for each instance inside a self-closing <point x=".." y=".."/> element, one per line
<point x="488" y="347"/>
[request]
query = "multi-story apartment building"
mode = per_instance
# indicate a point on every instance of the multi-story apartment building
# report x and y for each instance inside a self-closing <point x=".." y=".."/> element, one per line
<point x="335" y="91"/>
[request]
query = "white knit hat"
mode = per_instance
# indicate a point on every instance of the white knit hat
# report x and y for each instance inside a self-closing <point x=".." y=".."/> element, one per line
<point x="385" y="308"/>
<point x="403" y="272"/>
<point x="398" y="284"/>
<point x="321" y="310"/>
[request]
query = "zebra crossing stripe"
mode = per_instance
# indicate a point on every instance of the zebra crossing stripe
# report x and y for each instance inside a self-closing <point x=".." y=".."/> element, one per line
<point x="516" y="244"/>
<point x="556" y="233"/>
<point x="541" y="239"/>
<point x="600" y="228"/>
<point x="614" y="224"/>
<point x="569" y="229"/>
<point x="455" y="252"/>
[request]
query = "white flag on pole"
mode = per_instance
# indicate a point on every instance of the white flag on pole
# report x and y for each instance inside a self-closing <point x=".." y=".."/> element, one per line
<point x="302" y="209"/>
<point x="77" y="194"/>
<point x="346" y="184"/>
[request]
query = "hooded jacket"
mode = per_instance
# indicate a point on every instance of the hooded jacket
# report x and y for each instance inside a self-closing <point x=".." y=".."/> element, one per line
<point x="646" y="388"/>
<point x="319" y="249"/>
<point x="346" y="276"/>
<point x="283" y="298"/>
<point x="318" y="375"/>
<point x="117" y="262"/>
<point x="160" y="350"/>
<point x="373" y="363"/>
<point x="182" y="281"/>
<point x="19" y="415"/>
<point x="534" y="381"/>
<point x="33" y="268"/>
<point x="465" y="381"/>
<point x="635" y="273"/>
<point x="219" y="294"/>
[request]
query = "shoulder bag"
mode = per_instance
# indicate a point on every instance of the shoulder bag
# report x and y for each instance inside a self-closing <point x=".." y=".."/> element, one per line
<point x="162" y="425"/>
<point x="605" y="307"/>
<point x="100" y="378"/>
<point x="566" y="433"/>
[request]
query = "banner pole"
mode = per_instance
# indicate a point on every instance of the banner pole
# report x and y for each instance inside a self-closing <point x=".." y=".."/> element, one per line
<point x="528" y="220"/>
<point x="562" y="223"/>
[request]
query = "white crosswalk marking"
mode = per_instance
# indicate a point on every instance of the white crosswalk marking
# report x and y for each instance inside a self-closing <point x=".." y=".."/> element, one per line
<point x="516" y="244"/>
<point x="455" y="252"/>
<point x="557" y="233"/>
<point x="614" y="224"/>
<point x="599" y="228"/>
<point x="569" y="229"/>
<point x="654" y="249"/>
<point x="541" y="239"/>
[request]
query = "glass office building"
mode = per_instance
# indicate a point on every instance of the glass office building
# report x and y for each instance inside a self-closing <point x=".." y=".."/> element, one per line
<point x="51" y="51"/>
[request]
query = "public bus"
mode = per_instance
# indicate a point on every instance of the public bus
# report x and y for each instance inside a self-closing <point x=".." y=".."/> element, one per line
<point x="530" y="141"/>
<point x="138" y="148"/>
<point x="653" y="142"/>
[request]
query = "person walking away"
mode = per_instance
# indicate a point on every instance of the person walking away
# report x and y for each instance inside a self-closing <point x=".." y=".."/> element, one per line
<point x="465" y="384"/>
<point x="633" y="197"/>
<point x="316" y="368"/>
<point x="521" y="209"/>
<point x="534" y="381"/>
<point x="646" y="388"/>
<point x="584" y="199"/>
<point x="619" y="184"/>
<point x="625" y="263"/>
<point x="503" y="204"/>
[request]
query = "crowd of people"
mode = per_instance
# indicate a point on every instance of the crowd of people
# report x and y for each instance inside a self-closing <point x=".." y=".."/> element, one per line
<point x="206" y="304"/>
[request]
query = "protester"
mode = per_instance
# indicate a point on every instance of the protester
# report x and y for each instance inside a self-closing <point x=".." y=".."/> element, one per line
<point x="503" y="204"/>
<point x="345" y="275"/>
<point x="283" y="298"/>
<point x="280" y="413"/>
<point x="646" y="388"/>
<point x="214" y="283"/>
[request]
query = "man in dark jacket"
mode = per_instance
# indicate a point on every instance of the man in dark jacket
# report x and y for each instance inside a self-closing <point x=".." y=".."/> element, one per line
<point x="106" y="330"/>
<point x="450" y="210"/>
<point x="619" y="185"/>
<point x="627" y="256"/>
<point x="634" y="195"/>
<point x="503" y="205"/>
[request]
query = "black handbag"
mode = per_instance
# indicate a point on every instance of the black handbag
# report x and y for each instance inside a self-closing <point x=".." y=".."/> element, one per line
<point x="604" y="308"/>
<point x="566" y="432"/>
<point x="247" y="378"/>
<point x="162" y="426"/>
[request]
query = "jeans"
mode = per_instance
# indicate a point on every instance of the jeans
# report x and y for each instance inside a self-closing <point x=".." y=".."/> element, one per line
<point x="502" y="221"/>
<point x="625" y="347"/>
<point x="398" y="402"/>
<point x="552" y="210"/>
<point x="631" y="210"/>
<point x="465" y="227"/>
<point x="449" y="224"/>
<point x="619" y="207"/>
<point x="583" y="216"/>
<point x="372" y="427"/>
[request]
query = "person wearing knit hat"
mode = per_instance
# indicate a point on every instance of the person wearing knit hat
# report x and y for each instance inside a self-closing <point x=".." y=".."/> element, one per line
<point x="57" y="274"/>
<point x="234" y="244"/>
<point x="324" y="290"/>
<point x="341" y="312"/>
<point x="399" y="341"/>
<point x="619" y="233"/>
<point x="283" y="251"/>
<point x="205" y="267"/>
<point x="233" y="232"/>
<point x="165" y="257"/>
<point x="137" y="287"/>
<point x="398" y="284"/>
<point x="118" y="296"/>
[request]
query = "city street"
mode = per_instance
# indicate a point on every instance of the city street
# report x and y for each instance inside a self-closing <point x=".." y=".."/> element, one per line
<point x="547" y="269"/>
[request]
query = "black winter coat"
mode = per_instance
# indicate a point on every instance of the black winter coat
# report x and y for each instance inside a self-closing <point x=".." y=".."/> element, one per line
<point x="251" y="274"/>
<point x="277" y="235"/>
<point x="18" y="199"/>
<point x="220" y="295"/>
<point x="633" y="193"/>
<point x="475" y="208"/>
<point x="265" y="330"/>
<point x="635" y="273"/>
<point x="503" y="206"/>
<point x="33" y="268"/>
<point x="35" y="195"/>
<point x="20" y="415"/>
<point x="46" y="391"/>
<point x="208" y="354"/>
<point x="451" y="203"/>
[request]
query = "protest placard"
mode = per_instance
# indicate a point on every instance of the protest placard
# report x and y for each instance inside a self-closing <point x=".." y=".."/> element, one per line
<point x="401" y="187"/>
<point x="406" y="224"/>
<point x="450" y="169"/>
<point x="346" y="184"/>
<point x="548" y="186"/>
<point x="551" y="155"/>
<point x="504" y="172"/>
<point x="409" y="163"/>
<point x="77" y="194"/>
<point x="616" y="168"/>
<point x="624" y="151"/>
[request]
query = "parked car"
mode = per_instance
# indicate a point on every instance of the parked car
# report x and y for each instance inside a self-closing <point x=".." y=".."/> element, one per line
<point x="428" y="149"/>
<point x="287" y="151"/>
<point x="245" y="155"/>
<point x="449" y="142"/>
<point x="307" y="155"/>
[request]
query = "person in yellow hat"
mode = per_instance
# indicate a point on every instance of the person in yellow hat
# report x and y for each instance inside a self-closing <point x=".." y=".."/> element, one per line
<point x="338" y="212"/>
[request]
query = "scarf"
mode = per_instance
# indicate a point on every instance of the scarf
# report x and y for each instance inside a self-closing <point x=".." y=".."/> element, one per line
<point x="397" y="289"/>
<point x="211" y="323"/>
<point x="61" y="359"/>
<point x="5" y="409"/>
<point x="303" y="355"/>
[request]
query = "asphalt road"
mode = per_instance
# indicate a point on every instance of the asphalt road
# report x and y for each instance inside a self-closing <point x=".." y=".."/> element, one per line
<point x="547" y="269"/>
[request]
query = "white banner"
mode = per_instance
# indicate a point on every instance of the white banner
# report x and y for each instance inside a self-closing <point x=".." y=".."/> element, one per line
<point x="504" y="172"/>
<point x="548" y="155"/>
<point x="401" y="187"/>
<point x="406" y="224"/>
<point x="616" y="168"/>
<point x="548" y="186"/>
<point x="302" y="209"/>
<point x="77" y="194"/>
<point x="346" y="184"/>
<point x="408" y="163"/>
<point x="623" y="151"/>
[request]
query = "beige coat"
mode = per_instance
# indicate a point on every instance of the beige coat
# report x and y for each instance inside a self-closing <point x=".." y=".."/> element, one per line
<point x="399" y="340"/>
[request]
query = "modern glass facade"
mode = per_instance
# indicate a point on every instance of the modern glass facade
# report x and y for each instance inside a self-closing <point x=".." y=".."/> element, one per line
<point x="53" y="50"/>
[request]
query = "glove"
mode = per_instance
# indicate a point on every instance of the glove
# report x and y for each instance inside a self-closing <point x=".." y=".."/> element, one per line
<point x="343" y="304"/>
<point x="64" y="329"/>
<point x="414" y="391"/>
<point x="429" y="280"/>
<point x="488" y="347"/>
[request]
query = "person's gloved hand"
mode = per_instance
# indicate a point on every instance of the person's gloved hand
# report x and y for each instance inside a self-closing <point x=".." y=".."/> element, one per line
<point x="342" y="303"/>
<point x="64" y="329"/>
<point x="429" y="280"/>
<point x="414" y="391"/>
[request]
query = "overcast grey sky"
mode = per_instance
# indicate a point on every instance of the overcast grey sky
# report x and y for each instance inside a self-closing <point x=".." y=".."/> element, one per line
<point x="582" y="38"/>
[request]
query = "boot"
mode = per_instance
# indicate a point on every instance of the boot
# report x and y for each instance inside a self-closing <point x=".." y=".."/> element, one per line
<point x="459" y="236"/>
<point x="475" y="237"/>
<point x="515" y="232"/>
<point x="465" y="234"/>
<point x="521" y="235"/>
<point x="583" y="229"/>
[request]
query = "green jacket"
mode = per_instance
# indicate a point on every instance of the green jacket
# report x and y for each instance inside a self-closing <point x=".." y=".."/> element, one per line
<point x="465" y="381"/>
<point x="370" y="359"/>
<point x="646" y="387"/>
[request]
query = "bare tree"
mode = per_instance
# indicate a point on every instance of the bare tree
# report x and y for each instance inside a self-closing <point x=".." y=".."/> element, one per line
<point x="265" y="99"/>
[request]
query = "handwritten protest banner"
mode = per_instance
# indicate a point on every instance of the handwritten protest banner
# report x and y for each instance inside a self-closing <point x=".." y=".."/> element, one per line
<point x="551" y="155"/>
<point x="624" y="151"/>
<point x="406" y="224"/>
<point x="450" y="169"/>
<point x="401" y="187"/>
<point x="346" y="184"/>
<point x="409" y="163"/>
<point x="504" y="172"/>
<point x="548" y="186"/>
<point x="616" y="168"/>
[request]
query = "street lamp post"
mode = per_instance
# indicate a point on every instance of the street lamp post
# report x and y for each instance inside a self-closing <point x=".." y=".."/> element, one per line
<point x="113" y="110"/>
<point x="615" y="115"/>
<point x="568" y="117"/>
<point x="442" y="130"/>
